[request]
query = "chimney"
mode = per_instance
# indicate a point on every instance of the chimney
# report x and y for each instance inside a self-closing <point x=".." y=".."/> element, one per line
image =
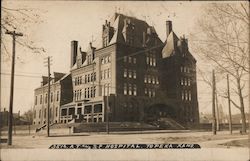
<point x="168" y="28"/>
<point x="74" y="46"/>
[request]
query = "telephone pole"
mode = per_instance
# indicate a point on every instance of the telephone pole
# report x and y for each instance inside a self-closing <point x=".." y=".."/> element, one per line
<point x="217" y="111"/>
<point x="14" y="34"/>
<point x="48" y="107"/>
<point x="229" y="106"/>
<point x="213" y="104"/>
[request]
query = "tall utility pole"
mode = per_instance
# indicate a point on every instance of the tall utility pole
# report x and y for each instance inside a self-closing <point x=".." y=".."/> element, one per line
<point x="229" y="106"/>
<point x="217" y="111"/>
<point x="14" y="34"/>
<point x="48" y="107"/>
<point x="213" y="104"/>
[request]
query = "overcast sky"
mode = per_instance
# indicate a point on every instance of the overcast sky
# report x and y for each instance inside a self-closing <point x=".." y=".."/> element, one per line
<point x="64" y="21"/>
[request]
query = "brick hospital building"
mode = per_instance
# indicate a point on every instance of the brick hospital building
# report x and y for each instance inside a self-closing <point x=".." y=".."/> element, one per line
<point x="133" y="76"/>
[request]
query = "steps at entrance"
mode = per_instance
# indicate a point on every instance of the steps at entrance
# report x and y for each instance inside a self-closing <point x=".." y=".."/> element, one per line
<point x="169" y="123"/>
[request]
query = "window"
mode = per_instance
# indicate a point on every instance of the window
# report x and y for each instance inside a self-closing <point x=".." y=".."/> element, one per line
<point x="91" y="92"/>
<point x="39" y="114"/>
<point x="34" y="114"/>
<point x="80" y="79"/>
<point x="105" y="74"/>
<point x="109" y="60"/>
<point x="189" y="82"/>
<point x="135" y="90"/>
<point x="125" y="73"/>
<point x="134" y="75"/>
<point x="134" y="60"/>
<point x="44" y="115"/>
<point x="109" y="74"/>
<point x="153" y="93"/>
<point x="56" y="111"/>
<point x="181" y="69"/>
<point x="129" y="59"/>
<point x="149" y="92"/>
<point x="94" y="76"/>
<point x="102" y="60"/>
<point x="125" y="89"/>
<point x="147" y="60"/>
<point x="189" y="96"/>
<point x="145" y="79"/>
<point x="101" y="74"/>
<point x="153" y="80"/>
<point x="149" y="79"/>
<point x="41" y="99"/>
<point x="57" y="96"/>
<point x="182" y="81"/>
<point x="51" y="98"/>
<point x="130" y="89"/>
<point x="105" y="59"/>
<point x="94" y="91"/>
<point x="186" y="95"/>
<point x="88" y="93"/>
<point x="129" y="73"/>
<point x="36" y="100"/>
<point x="46" y="98"/>
<point x="91" y="77"/>
<point x="185" y="81"/>
<point x="85" y="93"/>
<point x="182" y="95"/>
<point x="146" y="91"/>
<point x="125" y="59"/>
<point x="154" y="62"/>
<point x="157" y="80"/>
<point x="86" y="80"/>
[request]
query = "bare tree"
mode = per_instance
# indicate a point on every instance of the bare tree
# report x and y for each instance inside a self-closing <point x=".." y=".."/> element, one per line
<point x="28" y="116"/>
<point x="223" y="41"/>
<point x="19" y="19"/>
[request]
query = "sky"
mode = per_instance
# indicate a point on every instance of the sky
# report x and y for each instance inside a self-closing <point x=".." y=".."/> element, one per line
<point x="64" y="21"/>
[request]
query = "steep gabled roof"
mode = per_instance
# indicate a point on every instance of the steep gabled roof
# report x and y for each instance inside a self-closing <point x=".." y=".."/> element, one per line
<point x="170" y="45"/>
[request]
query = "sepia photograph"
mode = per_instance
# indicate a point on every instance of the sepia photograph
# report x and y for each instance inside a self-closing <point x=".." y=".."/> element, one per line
<point x="125" y="80"/>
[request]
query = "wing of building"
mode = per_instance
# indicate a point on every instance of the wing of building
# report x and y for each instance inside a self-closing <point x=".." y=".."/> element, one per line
<point x="133" y="76"/>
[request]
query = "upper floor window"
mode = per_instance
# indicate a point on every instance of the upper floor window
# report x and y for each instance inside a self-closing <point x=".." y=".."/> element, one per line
<point x="51" y="97"/>
<point x="135" y="90"/>
<point x="125" y="73"/>
<point x="36" y="100"/>
<point x="145" y="79"/>
<point x="157" y="80"/>
<point x="129" y="73"/>
<point x="46" y="98"/>
<point x="57" y="96"/>
<point x="41" y="99"/>
<point x="125" y="89"/>
<point x="189" y="96"/>
<point x="134" y="74"/>
<point x="134" y="60"/>
<point x="125" y="59"/>
<point x="105" y="59"/>
<point x="130" y="59"/>
<point x="130" y="89"/>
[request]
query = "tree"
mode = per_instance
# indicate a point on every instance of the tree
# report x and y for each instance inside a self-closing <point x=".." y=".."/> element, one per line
<point x="222" y="40"/>
<point x="28" y="116"/>
<point x="19" y="19"/>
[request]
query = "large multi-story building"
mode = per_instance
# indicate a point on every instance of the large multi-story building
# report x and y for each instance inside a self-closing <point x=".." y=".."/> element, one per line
<point x="60" y="94"/>
<point x="133" y="76"/>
